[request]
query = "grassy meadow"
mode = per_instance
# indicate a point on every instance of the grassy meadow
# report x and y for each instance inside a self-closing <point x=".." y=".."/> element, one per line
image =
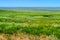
<point x="29" y="25"/>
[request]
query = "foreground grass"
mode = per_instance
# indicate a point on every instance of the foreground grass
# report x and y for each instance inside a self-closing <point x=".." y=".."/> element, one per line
<point x="12" y="28"/>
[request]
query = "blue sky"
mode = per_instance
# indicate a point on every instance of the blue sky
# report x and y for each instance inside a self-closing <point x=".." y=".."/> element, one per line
<point x="29" y="3"/>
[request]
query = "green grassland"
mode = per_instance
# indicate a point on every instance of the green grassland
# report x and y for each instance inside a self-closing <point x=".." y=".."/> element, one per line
<point x="30" y="22"/>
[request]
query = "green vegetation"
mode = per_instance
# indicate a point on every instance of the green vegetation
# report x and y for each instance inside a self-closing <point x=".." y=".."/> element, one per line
<point x="32" y="23"/>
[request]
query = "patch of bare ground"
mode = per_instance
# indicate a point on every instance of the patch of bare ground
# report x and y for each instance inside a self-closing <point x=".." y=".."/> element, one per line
<point x="27" y="37"/>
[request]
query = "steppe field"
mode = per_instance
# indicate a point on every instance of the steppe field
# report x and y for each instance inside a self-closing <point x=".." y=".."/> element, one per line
<point x="29" y="25"/>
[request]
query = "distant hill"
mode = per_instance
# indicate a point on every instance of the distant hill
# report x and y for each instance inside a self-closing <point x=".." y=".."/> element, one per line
<point x="32" y="8"/>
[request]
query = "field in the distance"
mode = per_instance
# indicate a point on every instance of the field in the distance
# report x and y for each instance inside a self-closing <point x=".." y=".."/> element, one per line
<point x="29" y="25"/>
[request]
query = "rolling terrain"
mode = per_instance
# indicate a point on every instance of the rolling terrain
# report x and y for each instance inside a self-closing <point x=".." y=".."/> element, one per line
<point x="29" y="25"/>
